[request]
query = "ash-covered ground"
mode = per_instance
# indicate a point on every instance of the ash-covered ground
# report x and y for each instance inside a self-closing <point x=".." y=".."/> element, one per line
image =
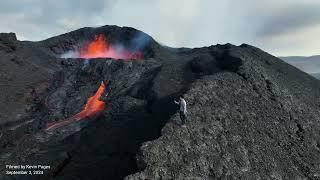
<point x="250" y="115"/>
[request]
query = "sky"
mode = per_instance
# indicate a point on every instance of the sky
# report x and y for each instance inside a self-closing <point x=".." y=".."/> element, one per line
<point x="280" y="27"/>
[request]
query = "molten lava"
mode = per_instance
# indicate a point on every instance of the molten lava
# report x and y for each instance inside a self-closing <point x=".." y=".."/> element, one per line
<point x="100" y="48"/>
<point x="92" y="107"/>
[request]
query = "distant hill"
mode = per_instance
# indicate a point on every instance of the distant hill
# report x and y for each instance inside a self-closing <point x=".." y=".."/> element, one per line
<point x="309" y="64"/>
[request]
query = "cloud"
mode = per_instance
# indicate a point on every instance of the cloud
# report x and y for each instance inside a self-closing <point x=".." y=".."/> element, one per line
<point x="37" y="19"/>
<point x="291" y="19"/>
<point x="275" y="26"/>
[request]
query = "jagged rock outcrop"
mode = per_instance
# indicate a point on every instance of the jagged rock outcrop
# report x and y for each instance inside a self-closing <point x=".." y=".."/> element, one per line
<point x="25" y="73"/>
<point x="250" y="115"/>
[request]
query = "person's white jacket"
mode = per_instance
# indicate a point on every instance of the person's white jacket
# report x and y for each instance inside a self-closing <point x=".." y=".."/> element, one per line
<point x="183" y="105"/>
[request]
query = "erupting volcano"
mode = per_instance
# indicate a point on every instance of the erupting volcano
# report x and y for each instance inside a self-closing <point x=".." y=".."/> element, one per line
<point x="93" y="106"/>
<point x="101" y="48"/>
<point x="250" y="115"/>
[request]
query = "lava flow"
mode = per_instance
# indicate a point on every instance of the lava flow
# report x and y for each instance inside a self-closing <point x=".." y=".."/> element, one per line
<point x="100" y="48"/>
<point x="92" y="107"/>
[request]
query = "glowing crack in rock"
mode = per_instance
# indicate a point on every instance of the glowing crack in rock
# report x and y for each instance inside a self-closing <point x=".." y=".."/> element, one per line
<point x="93" y="106"/>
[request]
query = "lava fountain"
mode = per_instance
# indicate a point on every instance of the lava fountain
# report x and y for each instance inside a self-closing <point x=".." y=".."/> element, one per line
<point x="93" y="106"/>
<point x="99" y="47"/>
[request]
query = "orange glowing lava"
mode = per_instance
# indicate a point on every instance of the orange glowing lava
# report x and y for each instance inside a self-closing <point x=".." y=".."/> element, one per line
<point x="92" y="107"/>
<point x="100" y="48"/>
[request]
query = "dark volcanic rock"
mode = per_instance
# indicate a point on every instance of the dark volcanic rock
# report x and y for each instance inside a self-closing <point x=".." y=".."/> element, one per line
<point x="7" y="42"/>
<point x="25" y="73"/>
<point x="255" y="121"/>
<point x="250" y="115"/>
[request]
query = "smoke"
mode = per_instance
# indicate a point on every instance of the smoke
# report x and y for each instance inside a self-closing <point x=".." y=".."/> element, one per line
<point x="140" y="41"/>
<point x="86" y="62"/>
<point x="100" y="47"/>
<point x="70" y="54"/>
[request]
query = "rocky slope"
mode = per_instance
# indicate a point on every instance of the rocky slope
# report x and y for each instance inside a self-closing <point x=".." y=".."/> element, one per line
<point x="250" y="115"/>
<point x="258" y="120"/>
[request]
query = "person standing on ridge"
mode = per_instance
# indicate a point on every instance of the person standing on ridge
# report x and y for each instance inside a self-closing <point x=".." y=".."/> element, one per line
<point x="183" y="108"/>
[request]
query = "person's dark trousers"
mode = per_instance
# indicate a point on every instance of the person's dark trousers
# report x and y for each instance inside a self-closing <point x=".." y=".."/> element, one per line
<point x="183" y="117"/>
